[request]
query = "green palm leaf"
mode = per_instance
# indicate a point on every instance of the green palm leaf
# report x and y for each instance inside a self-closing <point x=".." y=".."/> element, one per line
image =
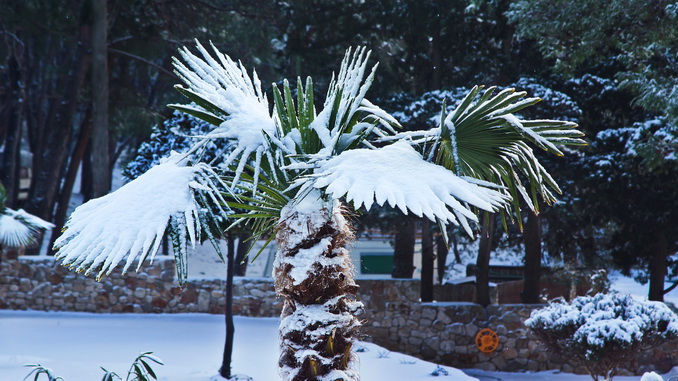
<point x="482" y="138"/>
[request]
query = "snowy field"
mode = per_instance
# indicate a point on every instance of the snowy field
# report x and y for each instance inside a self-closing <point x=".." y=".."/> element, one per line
<point x="75" y="345"/>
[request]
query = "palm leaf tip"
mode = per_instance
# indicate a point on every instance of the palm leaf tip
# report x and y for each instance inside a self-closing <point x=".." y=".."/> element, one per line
<point x="224" y="94"/>
<point x="397" y="174"/>
<point x="132" y="220"/>
<point x="347" y="117"/>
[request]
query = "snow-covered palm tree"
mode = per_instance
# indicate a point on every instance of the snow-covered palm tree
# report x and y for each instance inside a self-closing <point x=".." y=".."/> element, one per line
<point x="19" y="228"/>
<point x="296" y="171"/>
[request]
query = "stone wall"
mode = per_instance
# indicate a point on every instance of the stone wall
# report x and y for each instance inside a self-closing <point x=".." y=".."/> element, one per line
<point x="40" y="284"/>
<point x="394" y="318"/>
<point x="444" y="332"/>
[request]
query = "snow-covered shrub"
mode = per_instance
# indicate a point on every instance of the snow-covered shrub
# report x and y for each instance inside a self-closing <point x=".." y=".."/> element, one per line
<point x="604" y="331"/>
<point x="651" y="376"/>
<point x="178" y="133"/>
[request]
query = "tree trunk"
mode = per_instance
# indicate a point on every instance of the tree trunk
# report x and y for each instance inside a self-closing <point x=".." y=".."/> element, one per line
<point x="86" y="174"/>
<point x="427" y="260"/>
<point x="314" y="274"/>
<point x="101" y="172"/>
<point x="225" y="369"/>
<point x="69" y="180"/>
<point x="403" y="249"/>
<point x="532" y="268"/>
<point x="50" y="154"/>
<point x="658" y="267"/>
<point x="441" y="256"/>
<point x="588" y="246"/>
<point x="455" y="247"/>
<point x="244" y="245"/>
<point x="12" y="118"/>
<point x="483" y="261"/>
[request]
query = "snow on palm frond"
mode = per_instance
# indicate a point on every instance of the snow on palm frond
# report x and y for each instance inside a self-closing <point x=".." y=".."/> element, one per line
<point x="397" y="174"/>
<point x="21" y="229"/>
<point x="132" y="220"/>
<point x="226" y="96"/>
<point x="335" y="125"/>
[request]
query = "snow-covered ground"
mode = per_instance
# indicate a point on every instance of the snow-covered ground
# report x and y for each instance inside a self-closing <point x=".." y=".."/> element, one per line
<point x="74" y="345"/>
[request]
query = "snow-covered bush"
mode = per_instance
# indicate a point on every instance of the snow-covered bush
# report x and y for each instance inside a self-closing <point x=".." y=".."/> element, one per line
<point x="651" y="376"/>
<point x="178" y="133"/>
<point x="602" y="332"/>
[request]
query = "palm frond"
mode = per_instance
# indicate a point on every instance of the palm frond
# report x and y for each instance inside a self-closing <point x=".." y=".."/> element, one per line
<point x="223" y="94"/>
<point x="397" y="174"/>
<point x="132" y="220"/>
<point x="482" y="138"/>
<point x="347" y="118"/>
<point x="260" y="211"/>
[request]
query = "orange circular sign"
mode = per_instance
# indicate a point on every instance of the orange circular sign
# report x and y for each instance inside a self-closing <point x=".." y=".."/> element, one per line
<point x="487" y="340"/>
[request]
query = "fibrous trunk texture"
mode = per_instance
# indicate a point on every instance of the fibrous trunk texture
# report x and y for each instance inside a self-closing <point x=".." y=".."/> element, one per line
<point x="314" y="273"/>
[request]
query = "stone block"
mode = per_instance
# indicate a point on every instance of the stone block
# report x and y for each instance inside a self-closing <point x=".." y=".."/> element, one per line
<point x="471" y="330"/>
<point x="415" y="341"/>
<point x="486" y="366"/>
<point x="438" y="326"/>
<point x="428" y="353"/>
<point x="448" y="346"/>
<point x="457" y="328"/>
<point x="532" y="366"/>
<point x="509" y="353"/>
<point x="189" y="296"/>
<point x="461" y="349"/>
<point x="429" y="313"/>
<point x="442" y="316"/>
<point x="499" y="362"/>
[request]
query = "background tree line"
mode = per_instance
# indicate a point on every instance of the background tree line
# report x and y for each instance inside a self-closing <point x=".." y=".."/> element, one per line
<point x="609" y="66"/>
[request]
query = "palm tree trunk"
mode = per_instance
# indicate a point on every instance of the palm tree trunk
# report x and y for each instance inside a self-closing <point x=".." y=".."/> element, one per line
<point x="314" y="273"/>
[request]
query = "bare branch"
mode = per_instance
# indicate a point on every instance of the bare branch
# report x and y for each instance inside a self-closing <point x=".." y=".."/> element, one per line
<point x="141" y="59"/>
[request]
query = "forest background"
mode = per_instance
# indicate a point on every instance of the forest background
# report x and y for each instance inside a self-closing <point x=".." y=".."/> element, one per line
<point x="84" y="83"/>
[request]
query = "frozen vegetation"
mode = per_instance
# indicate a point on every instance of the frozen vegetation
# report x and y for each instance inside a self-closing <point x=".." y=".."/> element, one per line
<point x="603" y="331"/>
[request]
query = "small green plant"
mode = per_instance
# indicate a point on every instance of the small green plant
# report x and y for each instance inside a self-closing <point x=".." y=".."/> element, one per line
<point x="361" y="348"/>
<point x="383" y="354"/>
<point x="38" y="370"/>
<point x="440" y="371"/>
<point x="140" y="370"/>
